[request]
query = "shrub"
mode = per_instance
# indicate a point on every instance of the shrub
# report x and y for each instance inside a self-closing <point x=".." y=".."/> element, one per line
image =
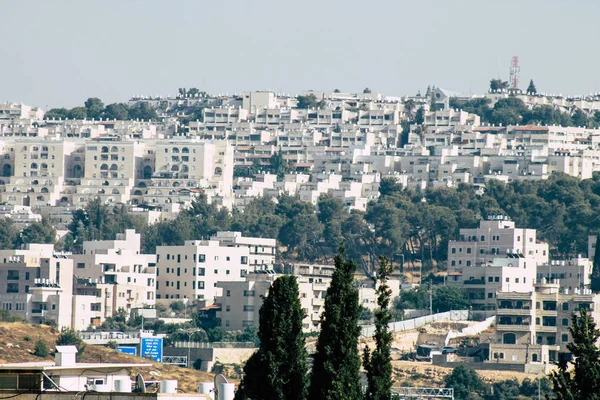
<point x="41" y="349"/>
<point x="69" y="336"/>
<point x="112" y="344"/>
<point x="27" y="338"/>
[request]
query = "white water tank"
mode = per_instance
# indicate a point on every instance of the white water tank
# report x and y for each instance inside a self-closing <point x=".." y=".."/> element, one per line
<point x="226" y="391"/>
<point x="207" y="388"/>
<point x="168" y="386"/>
<point x="100" y="388"/>
<point x="123" y="385"/>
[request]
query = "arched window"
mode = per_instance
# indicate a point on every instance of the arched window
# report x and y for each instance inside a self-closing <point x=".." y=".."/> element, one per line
<point x="175" y="168"/>
<point x="114" y="149"/>
<point x="175" y="150"/>
<point x="104" y="167"/>
<point x="104" y="149"/>
<point x="44" y="190"/>
<point x="115" y="191"/>
<point x="509" y="338"/>
<point x="565" y="322"/>
<point x="44" y="166"/>
<point x="114" y="167"/>
<point x="33" y="166"/>
<point x="185" y="150"/>
<point x="218" y="171"/>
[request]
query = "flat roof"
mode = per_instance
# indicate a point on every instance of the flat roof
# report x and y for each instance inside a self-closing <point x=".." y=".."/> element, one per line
<point x="51" y="366"/>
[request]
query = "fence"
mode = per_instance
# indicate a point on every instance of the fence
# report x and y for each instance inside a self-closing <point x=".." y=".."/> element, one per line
<point x="215" y="345"/>
<point x="410" y="324"/>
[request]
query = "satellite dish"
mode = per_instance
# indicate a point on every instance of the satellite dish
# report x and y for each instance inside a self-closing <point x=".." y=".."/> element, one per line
<point x="141" y="384"/>
<point x="219" y="378"/>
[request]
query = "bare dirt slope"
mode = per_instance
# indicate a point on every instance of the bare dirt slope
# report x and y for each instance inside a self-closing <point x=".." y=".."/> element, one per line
<point x="17" y="343"/>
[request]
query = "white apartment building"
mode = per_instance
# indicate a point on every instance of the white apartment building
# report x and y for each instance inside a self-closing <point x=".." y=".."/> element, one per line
<point x="36" y="284"/>
<point x="494" y="238"/>
<point x="483" y="281"/>
<point x="193" y="270"/>
<point x="533" y="327"/>
<point x="240" y="302"/>
<point x="119" y="262"/>
<point x="571" y="274"/>
<point x="262" y="251"/>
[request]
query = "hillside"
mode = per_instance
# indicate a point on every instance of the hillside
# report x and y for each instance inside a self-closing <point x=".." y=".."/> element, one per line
<point x="17" y="342"/>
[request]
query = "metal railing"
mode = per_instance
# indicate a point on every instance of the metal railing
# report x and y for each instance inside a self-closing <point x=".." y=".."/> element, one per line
<point x="423" y="393"/>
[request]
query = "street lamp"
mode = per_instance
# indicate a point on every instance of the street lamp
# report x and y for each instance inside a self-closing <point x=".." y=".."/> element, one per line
<point x="185" y="302"/>
<point x="189" y="332"/>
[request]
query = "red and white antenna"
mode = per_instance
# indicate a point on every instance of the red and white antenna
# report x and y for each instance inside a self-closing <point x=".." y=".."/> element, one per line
<point x="514" y="72"/>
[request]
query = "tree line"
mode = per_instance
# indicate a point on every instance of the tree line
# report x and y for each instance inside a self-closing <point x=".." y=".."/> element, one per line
<point x="94" y="108"/>
<point x="513" y="111"/>
<point x="406" y="225"/>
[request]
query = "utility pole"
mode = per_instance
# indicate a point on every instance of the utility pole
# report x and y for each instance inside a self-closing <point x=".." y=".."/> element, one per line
<point x="430" y="299"/>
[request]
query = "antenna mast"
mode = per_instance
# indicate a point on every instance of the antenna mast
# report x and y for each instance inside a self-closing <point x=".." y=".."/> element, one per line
<point x="514" y="72"/>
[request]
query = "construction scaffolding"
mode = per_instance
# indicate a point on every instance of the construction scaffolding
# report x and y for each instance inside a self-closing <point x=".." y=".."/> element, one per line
<point x="413" y="393"/>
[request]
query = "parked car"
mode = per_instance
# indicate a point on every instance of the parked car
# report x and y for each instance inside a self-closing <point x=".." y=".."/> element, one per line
<point x="449" y="350"/>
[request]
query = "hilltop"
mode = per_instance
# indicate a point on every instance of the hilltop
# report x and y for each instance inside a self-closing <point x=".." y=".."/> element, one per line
<point x="17" y="342"/>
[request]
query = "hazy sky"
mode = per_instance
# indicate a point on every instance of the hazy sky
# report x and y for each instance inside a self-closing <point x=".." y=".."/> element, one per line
<point x="58" y="53"/>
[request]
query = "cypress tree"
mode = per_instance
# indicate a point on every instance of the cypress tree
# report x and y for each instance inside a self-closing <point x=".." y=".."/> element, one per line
<point x="531" y="88"/>
<point x="278" y="369"/>
<point x="582" y="382"/>
<point x="378" y="363"/>
<point x="595" y="281"/>
<point x="336" y="368"/>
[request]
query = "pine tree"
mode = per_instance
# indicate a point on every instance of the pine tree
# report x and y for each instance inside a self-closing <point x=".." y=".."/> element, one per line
<point x="378" y="363"/>
<point x="595" y="281"/>
<point x="336" y="368"/>
<point x="531" y="88"/>
<point x="278" y="369"/>
<point x="583" y="381"/>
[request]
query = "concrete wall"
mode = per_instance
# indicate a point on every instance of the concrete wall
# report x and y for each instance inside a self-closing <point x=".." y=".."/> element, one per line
<point x="409" y="324"/>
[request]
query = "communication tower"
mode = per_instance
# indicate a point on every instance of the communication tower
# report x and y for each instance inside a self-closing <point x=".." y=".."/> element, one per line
<point x="514" y="72"/>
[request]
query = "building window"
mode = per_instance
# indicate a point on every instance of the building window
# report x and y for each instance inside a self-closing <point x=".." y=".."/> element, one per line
<point x="249" y="308"/>
<point x="80" y="265"/>
<point x="454" y="250"/>
<point x="565" y="322"/>
<point x="468" y="250"/>
<point x="228" y="293"/>
<point x="201" y="258"/>
<point x="564" y="338"/>
<point x="201" y="271"/>
<point x="249" y="293"/>
<point x="534" y="357"/>
<point x="509" y="338"/>
<point x="227" y="308"/>
<point x="565" y="306"/>
<point x="497" y="279"/>
<point x="244" y="260"/>
<point x="200" y="284"/>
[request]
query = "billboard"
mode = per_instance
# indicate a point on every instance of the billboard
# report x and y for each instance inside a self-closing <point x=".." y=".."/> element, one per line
<point x="128" y="350"/>
<point x="152" y="348"/>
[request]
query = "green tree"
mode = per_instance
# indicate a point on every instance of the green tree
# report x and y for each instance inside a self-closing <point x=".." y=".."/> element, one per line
<point x="336" y="91"/>
<point x="335" y="373"/>
<point x="41" y="349"/>
<point x="278" y="369"/>
<point x="94" y="107"/>
<point x="39" y="232"/>
<point x="498" y="84"/>
<point x="8" y="233"/>
<point x="56" y="113"/>
<point x="378" y="364"/>
<point x="582" y="381"/>
<point x="446" y="298"/>
<point x="143" y="111"/>
<point x="531" y="89"/>
<point x="77" y="113"/>
<point x="118" y="111"/>
<point x="366" y="90"/>
<point x="309" y="101"/>
<point x="595" y="278"/>
<point x="420" y="116"/>
<point x="70" y="336"/>
<point x="466" y="383"/>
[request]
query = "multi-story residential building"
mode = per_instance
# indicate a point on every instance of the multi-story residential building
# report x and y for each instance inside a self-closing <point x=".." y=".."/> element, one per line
<point x="494" y="238"/>
<point x="483" y="281"/>
<point x="533" y="327"/>
<point x="572" y="274"/>
<point x="262" y="251"/>
<point x="193" y="270"/>
<point x="119" y="262"/>
<point x="240" y="302"/>
<point x="36" y="284"/>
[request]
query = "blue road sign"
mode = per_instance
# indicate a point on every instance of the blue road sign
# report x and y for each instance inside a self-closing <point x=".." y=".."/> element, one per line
<point x="152" y="348"/>
<point x="128" y="350"/>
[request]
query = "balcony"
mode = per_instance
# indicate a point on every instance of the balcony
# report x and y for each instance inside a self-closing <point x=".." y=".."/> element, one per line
<point x="513" y="311"/>
<point x="546" y="328"/>
<point x="513" y="327"/>
<point x="474" y="282"/>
